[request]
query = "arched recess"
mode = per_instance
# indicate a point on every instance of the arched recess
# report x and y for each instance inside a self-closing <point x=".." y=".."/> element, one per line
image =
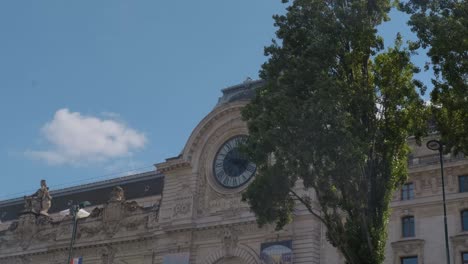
<point x="219" y="117"/>
<point x="245" y="254"/>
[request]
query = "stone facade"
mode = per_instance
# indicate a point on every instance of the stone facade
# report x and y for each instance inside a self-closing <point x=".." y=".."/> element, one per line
<point x="428" y="242"/>
<point x="197" y="220"/>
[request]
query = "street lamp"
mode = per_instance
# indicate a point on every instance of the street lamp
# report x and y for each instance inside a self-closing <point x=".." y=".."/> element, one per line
<point x="75" y="210"/>
<point x="439" y="146"/>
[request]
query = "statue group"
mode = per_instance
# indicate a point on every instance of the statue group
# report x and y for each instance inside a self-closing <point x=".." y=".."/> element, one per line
<point x="40" y="202"/>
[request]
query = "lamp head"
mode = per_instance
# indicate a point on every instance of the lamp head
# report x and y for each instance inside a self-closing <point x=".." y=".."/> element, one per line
<point x="84" y="204"/>
<point x="434" y="145"/>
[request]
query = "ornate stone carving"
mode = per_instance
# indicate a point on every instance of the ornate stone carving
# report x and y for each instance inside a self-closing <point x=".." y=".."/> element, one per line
<point x="89" y="229"/>
<point x="153" y="217"/>
<point x="182" y="208"/>
<point x="30" y="228"/>
<point x="230" y="204"/>
<point x="239" y="230"/>
<point x="96" y="212"/>
<point x="116" y="214"/>
<point x="107" y="255"/>
<point x="111" y="218"/>
<point x="25" y="230"/>
<point x="407" y="247"/>
<point x="229" y="239"/>
<point x="47" y="234"/>
<point x="117" y="195"/>
<point x="40" y="202"/>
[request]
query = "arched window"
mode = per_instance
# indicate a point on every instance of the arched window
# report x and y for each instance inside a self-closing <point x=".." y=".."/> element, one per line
<point x="464" y="220"/>
<point x="407" y="226"/>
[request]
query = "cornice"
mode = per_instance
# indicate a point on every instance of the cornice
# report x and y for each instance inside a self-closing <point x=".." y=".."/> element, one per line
<point x="83" y="245"/>
<point x="432" y="200"/>
<point x="171" y="165"/>
<point x="414" y="242"/>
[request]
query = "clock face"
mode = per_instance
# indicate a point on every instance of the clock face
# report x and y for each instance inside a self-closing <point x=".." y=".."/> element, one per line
<point x="231" y="167"/>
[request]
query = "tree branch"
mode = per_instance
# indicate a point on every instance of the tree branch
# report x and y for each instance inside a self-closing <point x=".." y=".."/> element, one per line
<point x="307" y="205"/>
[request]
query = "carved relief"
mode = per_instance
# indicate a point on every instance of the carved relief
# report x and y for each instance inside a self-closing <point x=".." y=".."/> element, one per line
<point x="231" y="205"/>
<point x="89" y="229"/>
<point x="153" y="216"/>
<point x="107" y="255"/>
<point x="229" y="240"/>
<point x="25" y="230"/>
<point x="202" y="197"/>
<point x="64" y="230"/>
<point x="182" y="209"/>
<point x="111" y="217"/>
<point x="238" y="230"/>
<point x="184" y="202"/>
<point x="96" y="212"/>
<point x="413" y="247"/>
<point x="116" y="215"/>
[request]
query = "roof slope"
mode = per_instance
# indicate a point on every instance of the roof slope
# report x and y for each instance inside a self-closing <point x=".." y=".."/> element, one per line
<point x="135" y="186"/>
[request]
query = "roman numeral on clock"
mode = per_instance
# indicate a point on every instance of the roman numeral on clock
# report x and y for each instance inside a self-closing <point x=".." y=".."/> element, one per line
<point x="251" y="167"/>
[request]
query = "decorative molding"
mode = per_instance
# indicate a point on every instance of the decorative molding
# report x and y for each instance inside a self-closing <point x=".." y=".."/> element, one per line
<point x="194" y="143"/>
<point x="407" y="248"/>
<point x="243" y="252"/>
<point x="171" y="165"/>
<point x="459" y="245"/>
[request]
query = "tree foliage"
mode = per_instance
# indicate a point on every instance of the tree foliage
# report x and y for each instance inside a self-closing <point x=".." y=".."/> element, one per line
<point x="442" y="27"/>
<point x="333" y="117"/>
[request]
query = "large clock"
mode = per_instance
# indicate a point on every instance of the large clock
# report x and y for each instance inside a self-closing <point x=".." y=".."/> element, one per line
<point x="231" y="167"/>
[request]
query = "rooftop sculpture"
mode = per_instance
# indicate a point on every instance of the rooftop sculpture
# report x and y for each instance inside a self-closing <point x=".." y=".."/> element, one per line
<point x="39" y="202"/>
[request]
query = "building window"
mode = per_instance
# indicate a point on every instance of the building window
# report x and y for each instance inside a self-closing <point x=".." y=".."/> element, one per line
<point x="464" y="220"/>
<point x="463" y="183"/>
<point x="408" y="226"/>
<point x="465" y="258"/>
<point x="409" y="260"/>
<point x="407" y="191"/>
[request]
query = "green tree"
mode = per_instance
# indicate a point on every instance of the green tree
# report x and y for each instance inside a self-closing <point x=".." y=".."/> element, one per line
<point x="442" y="27"/>
<point x="333" y="116"/>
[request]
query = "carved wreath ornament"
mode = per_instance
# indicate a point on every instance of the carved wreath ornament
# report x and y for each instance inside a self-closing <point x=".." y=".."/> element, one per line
<point x="182" y="208"/>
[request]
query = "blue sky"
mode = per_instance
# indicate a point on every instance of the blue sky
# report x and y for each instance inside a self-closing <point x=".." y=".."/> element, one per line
<point x="98" y="89"/>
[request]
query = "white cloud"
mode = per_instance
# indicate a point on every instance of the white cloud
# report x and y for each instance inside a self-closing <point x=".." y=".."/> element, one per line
<point x="78" y="139"/>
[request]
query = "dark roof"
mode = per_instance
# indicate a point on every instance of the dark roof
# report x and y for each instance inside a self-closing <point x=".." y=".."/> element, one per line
<point x="239" y="92"/>
<point x="135" y="186"/>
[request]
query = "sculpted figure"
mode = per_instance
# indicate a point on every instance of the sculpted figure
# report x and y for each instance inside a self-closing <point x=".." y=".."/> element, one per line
<point x="40" y="201"/>
<point x="117" y="195"/>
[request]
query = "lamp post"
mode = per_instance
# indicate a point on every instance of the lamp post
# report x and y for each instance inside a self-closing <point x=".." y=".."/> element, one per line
<point x="74" y="209"/>
<point x="439" y="146"/>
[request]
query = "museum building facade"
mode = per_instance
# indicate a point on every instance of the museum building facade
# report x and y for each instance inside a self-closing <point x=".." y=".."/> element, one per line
<point x="189" y="210"/>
